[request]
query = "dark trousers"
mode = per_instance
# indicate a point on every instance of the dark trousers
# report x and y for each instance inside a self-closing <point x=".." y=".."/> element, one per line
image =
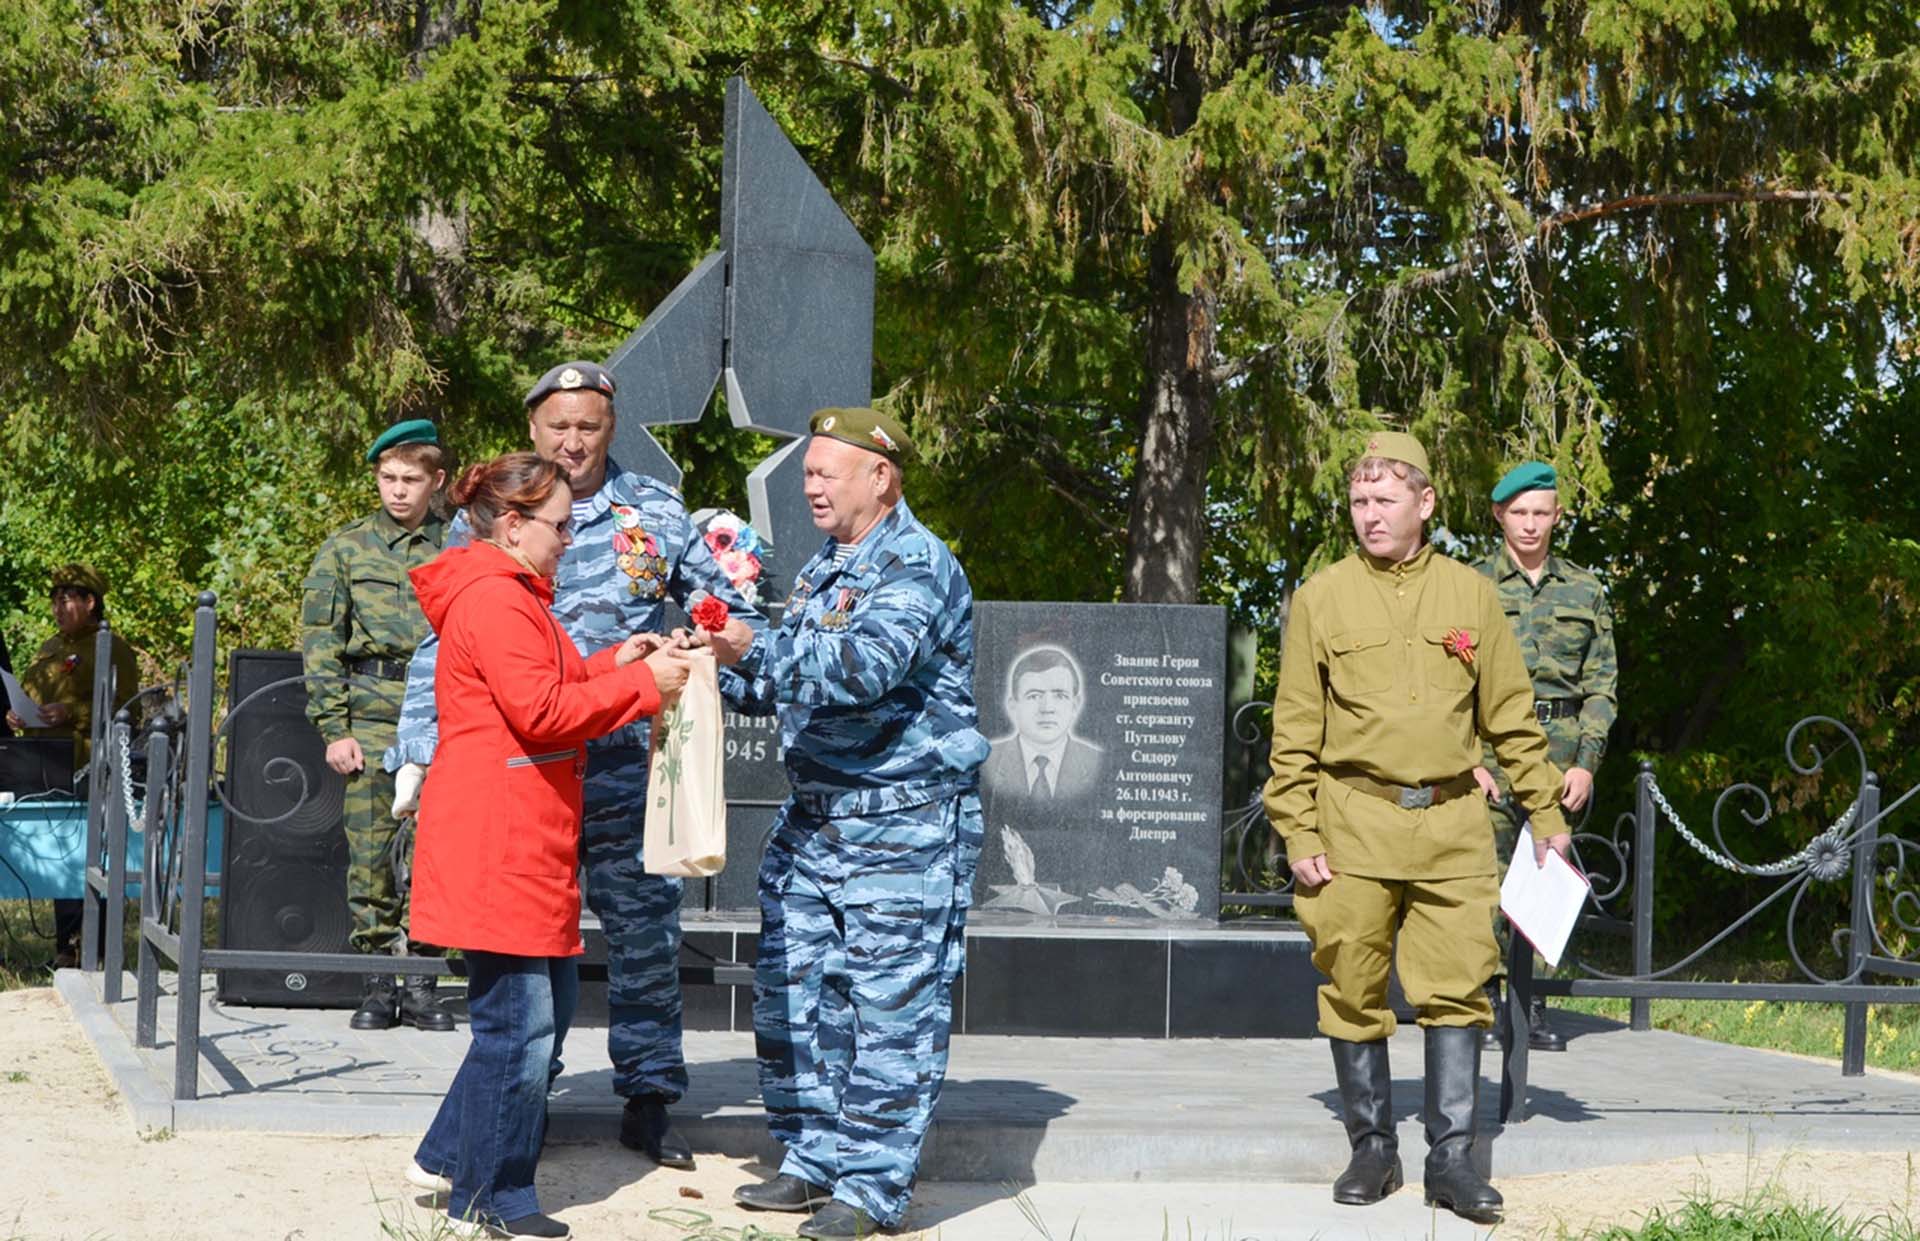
<point x="486" y="1137"/>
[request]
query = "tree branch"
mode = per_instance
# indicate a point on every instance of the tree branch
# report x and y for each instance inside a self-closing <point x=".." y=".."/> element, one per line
<point x="1423" y="280"/>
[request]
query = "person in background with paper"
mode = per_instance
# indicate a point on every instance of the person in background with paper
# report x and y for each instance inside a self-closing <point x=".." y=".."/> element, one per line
<point x="1396" y="661"/>
<point x="1560" y="614"/>
<point x="634" y="548"/>
<point x="869" y="866"/>
<point x="59" y="681"/>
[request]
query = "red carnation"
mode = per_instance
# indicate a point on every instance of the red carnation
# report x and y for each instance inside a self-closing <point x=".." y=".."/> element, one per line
<point x="710" y="614"/>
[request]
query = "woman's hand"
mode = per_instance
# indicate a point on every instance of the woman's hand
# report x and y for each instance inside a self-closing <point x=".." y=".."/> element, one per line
<point x="670" y="669"/>
<point x="639" y="646"/>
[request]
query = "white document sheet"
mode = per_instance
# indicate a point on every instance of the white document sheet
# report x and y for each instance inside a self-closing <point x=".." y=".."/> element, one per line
<point x="21" y="705"/>
<point x="1542" y="902"/>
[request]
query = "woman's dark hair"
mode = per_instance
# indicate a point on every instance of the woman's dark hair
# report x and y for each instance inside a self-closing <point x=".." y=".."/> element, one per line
<point x="516" y="482"/>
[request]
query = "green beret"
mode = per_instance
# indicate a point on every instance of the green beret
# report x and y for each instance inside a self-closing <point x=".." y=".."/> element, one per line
<point x="413" y="431"/>
<point x="1398" y="446"/>
<point x="1531" y="476"/>
<point x="865" y="428"/>
<point x="86" y="577"/>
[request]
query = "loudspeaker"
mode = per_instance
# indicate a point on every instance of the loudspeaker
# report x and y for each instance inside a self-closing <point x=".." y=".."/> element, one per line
<point x="284" y="874"/>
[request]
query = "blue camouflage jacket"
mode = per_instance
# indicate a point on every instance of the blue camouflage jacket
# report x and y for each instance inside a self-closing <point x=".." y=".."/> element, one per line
<point x="636" y="549"/>
<point x="871" y="672"/>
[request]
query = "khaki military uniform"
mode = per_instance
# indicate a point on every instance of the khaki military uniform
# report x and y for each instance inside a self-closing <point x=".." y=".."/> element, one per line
<point x="1564" y="624"/>
<point x="359" y="625"/>
<point x="1375" y="690"/>
<point x="62" y="671"/>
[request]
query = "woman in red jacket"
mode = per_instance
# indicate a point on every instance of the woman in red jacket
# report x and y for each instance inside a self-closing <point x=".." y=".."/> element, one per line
<point x="497" y="858"/>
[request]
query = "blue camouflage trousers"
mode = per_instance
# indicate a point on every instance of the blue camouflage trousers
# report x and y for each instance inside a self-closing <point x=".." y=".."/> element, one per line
<point x="640" y="914"/>
<point x="861" y="939"/>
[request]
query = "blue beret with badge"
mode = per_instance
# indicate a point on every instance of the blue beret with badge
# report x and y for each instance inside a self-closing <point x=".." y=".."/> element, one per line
<point x="571" y="377"/>
<point x="1529" y="476"/>
<point x="412" y="431"/>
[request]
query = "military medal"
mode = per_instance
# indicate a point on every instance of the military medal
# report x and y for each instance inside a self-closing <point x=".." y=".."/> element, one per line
<point x="1459" y="643"/>
<point x="638" y="554"/>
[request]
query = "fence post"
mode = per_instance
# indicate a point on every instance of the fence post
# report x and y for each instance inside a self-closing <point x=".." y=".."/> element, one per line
<point x="117" y="776"/>
<point x="1866" y="838"/>
<point x="1645" y="821"/>
<point x="146" y="1002"/>
<point x="98" y="733"/>
<point x="193" y="873"/>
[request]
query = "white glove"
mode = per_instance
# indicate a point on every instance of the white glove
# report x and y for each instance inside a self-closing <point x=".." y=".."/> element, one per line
<point x="406" y="789"/>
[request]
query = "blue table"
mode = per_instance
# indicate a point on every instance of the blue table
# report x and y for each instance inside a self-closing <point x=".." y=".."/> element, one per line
<point x="42" y="841"/>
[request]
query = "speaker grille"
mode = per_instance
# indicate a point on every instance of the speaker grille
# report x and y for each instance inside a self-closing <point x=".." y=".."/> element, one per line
<point x="285" y="869"/>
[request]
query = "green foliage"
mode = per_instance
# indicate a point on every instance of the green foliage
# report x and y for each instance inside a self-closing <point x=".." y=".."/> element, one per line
<point x="1766" y="1215"/>
<point x="1127" y="253"/>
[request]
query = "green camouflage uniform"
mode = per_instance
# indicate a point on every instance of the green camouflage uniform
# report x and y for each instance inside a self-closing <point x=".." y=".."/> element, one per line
<point x="1565" y="627"/>
<point x="359" y="624"/>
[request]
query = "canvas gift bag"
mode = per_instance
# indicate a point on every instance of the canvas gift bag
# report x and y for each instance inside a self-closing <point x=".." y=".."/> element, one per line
<point x="686" y="832"/>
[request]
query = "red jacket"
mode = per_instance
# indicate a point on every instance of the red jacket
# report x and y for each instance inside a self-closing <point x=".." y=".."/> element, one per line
<point x="497" y="857"/>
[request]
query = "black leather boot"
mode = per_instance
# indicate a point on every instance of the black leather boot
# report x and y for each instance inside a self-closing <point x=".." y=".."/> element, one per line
<point x="783" y="1193"/>
<point x="1453" y="1087"/>
<point x="1366" y="1096"/>
<point x="419" y="1008"/>
<point x="1540" y="1035"/>
<point x="377" y="1010"/>
<point x="646" y="1127"/>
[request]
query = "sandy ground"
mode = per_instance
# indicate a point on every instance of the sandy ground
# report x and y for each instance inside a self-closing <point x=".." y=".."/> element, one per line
<point x="72" y="1166"/>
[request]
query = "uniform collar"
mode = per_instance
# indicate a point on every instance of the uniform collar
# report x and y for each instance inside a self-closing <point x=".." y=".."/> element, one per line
<point x="1412" y="567"/>
<point x="866" y="549"/>
<point x="392" y="533"/>
<point x="1509" y="567"/>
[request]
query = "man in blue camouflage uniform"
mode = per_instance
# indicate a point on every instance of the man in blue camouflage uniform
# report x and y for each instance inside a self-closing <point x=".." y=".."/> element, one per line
<point x="868" y="872"/>
<point x="1560" y="614"/>
<point x="634" y="548"/>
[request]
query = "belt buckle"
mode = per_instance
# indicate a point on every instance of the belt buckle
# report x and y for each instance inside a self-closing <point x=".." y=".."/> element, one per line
<point x="1417" y="799"/>
<point x="1542" y="710"/>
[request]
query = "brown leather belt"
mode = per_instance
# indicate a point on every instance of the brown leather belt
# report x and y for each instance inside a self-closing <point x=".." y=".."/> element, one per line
<point x="1416" y="798"/>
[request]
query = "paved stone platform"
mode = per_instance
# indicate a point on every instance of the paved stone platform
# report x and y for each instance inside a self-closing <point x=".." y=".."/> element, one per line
<point x="1046" y="1110"/>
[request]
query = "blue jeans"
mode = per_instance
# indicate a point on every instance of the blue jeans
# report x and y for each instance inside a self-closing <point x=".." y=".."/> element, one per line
<point x="487" y="1135"/>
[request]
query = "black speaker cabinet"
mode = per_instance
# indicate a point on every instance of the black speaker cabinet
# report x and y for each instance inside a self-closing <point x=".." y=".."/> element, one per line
<point x="284" y="873"/>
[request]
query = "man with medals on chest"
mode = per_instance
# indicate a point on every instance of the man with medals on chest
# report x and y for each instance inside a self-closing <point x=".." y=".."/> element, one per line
<point x="868" y="871"/>
<point x="1396" y="662"/>
<point x="634" y="548"/>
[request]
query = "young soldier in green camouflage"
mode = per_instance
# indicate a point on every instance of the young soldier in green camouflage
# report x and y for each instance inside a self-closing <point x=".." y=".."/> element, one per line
<point x="1560" y="614"/>
<point x="359" y="624"/>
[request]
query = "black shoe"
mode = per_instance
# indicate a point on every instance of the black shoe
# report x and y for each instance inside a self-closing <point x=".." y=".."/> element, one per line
<point x="418" y="1007"/>
<point x="1540" y="1035"/>
<point x="1366" y="1097"/>
<point x="535" y="1225"/>
<point x="837" y="1219"/>
<point x="646" y="1127"/>
<point x="1452" y="1106"/>
<point x="377" y="1010"/>
<point x="782" y="1193"/>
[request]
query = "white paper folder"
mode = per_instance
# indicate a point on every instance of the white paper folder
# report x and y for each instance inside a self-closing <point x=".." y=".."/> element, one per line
<point x="1543" y="902"/>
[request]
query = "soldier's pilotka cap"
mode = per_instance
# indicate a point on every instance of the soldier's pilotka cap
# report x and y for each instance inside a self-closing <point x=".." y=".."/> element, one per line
<point x="865" y="428"/>
<point x="413" y="431"/>
<point x="1530" y="476"/>
<point x="1398" y="446"/>
<point x="571" y="377"/>
<point x="86" y="577"/>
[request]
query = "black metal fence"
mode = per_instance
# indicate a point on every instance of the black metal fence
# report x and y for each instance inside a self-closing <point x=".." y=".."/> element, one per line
<point x="1880" y="938"/>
